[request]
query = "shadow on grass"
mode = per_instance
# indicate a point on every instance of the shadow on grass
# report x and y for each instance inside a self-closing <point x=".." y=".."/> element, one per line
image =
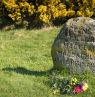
<point x="24" y="71"/>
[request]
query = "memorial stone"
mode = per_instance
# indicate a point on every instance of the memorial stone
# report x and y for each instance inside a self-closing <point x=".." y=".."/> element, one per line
<point x="74" y="47"/>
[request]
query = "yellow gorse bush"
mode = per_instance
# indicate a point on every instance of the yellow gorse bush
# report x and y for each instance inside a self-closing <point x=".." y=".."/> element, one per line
<point x="46" y="10"/>
<point x="18" y="10"/>
<point x="26" y="7"/>
<point x="51" y="10"/>
<point x="86" y="8"/>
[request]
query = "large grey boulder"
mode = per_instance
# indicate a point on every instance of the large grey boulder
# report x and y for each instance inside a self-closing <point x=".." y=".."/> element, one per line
<point x="74" y="47"/>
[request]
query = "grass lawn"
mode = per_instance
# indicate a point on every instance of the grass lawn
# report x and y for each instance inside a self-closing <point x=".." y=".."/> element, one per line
<point x="25" y="58"/>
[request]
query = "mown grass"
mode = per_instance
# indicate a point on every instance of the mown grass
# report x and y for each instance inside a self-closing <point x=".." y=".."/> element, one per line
<point x="25" y="59"/>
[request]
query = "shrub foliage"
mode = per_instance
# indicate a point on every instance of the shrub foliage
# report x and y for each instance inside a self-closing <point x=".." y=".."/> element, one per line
<point x="45" y="11"/>
<point x="18" y="10"/>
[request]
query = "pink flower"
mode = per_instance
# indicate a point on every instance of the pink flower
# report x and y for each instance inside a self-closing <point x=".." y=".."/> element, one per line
<point x="77" y="89"/>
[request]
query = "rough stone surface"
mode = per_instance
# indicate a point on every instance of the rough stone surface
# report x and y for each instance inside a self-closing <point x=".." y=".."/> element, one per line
<point x="74" y="47"/>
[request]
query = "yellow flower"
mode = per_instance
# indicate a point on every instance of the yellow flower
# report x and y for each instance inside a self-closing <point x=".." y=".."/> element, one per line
<point x="56" y="91"/>
<point x="85" y="86"/>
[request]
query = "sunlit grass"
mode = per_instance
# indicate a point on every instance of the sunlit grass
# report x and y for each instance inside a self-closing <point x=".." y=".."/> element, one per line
<point x="25" y="59"/>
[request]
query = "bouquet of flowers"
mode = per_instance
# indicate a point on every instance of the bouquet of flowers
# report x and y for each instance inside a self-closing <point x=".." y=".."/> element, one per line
<point x="70" y="86"/>
<point x="79" y="87"/>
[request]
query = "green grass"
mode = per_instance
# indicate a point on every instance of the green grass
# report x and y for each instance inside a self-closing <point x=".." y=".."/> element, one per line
<point x="25" y="59"/>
